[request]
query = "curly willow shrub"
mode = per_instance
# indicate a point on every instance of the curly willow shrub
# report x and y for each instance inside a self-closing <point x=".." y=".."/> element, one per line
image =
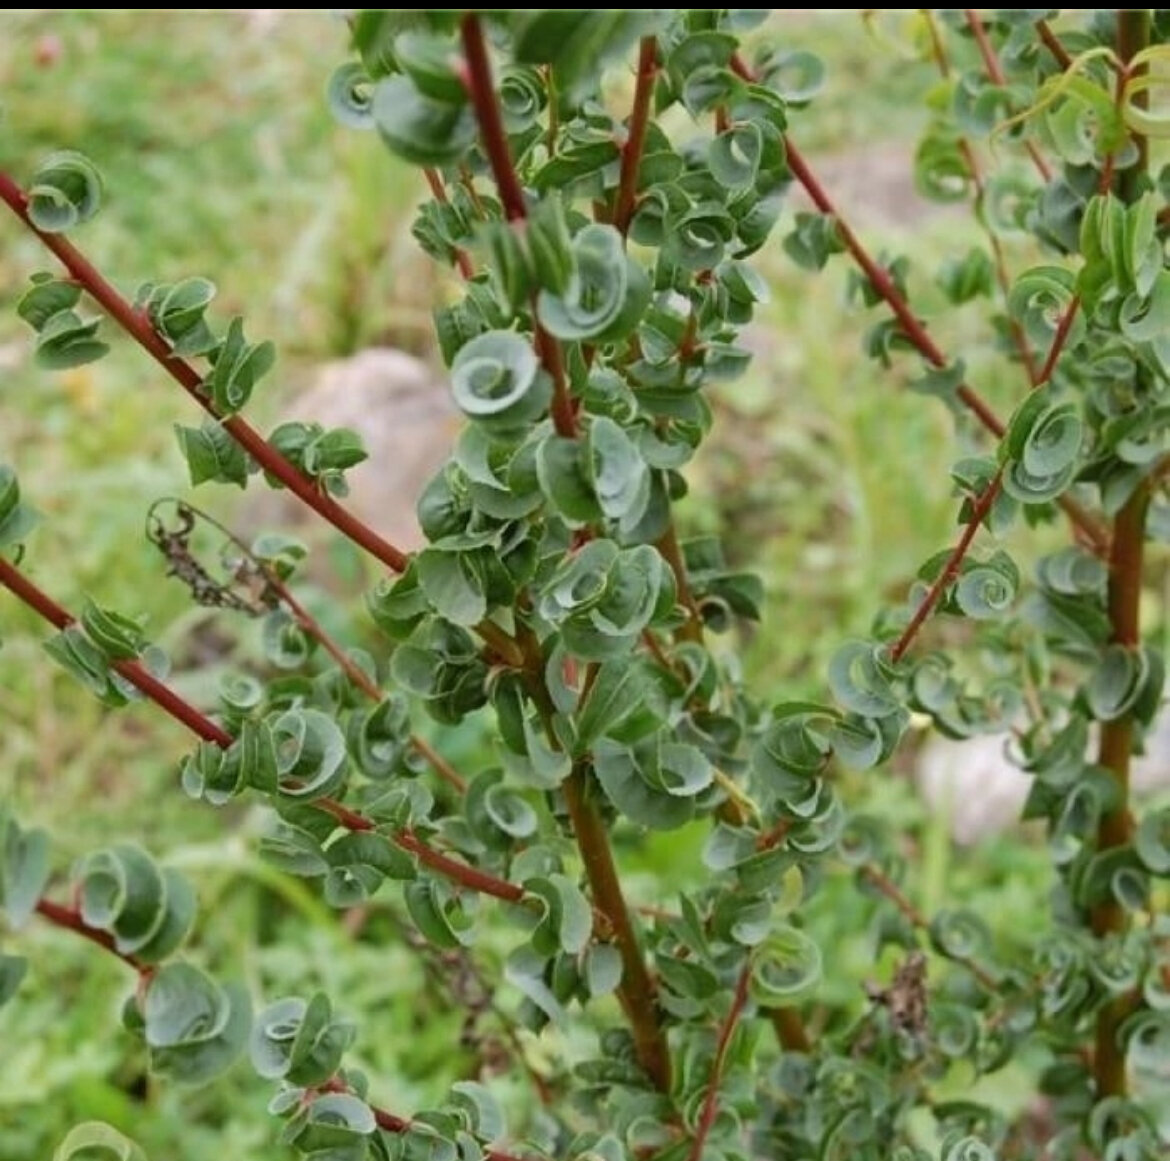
<point x="602" y="245"/>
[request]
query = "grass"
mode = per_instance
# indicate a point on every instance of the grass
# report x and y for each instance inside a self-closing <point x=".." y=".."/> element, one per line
<point x="221" y="159"/>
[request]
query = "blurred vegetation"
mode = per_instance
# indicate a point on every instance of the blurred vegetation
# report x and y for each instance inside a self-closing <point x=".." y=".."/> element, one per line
<point x="221" y="159"/>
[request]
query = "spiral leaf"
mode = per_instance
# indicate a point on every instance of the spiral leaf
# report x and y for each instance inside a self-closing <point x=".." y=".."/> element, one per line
<point x="17" y="519"/>
<point x="193" y="1027"/>
<point x="299" y="1042"/>
<point x="65" y="191"/>
<point x="310" y="753"/>
<point x="497" y="381"/>
<point x="606" y="295"/>
<point x="419" y="128"/>
<point x="785" y="966"/>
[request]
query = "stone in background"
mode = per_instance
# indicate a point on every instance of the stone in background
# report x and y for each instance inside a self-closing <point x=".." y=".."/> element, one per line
<point x="973" y="782"/>
<point x="402" y="409"/>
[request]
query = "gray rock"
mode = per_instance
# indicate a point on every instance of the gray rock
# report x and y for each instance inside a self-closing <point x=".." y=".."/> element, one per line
<point x="982" y="793"/>
<point x="402" y="409"/>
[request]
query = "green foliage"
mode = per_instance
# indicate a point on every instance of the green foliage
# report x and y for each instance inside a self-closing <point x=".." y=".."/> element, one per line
<point x="554" y="607"/>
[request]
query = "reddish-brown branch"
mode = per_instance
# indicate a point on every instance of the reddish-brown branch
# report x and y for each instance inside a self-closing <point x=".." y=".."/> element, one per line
<point x="1050" y="42"/>
<point x="711" y="1101"/>
<point x="999" y="258"/>
<point x="435" y="181"/>
<point x="357" y="675"/>
<point x="995" y="72"/>
<point x="632" y="150"/>
<point x="491" y="124"/>
<point x="1116" y="826"/>
<point x="636" y="992"/>
<point x="911" y="326"/>
<point x="982" y="504"/>
<point x="459" y="872"/>
<point x="70" y="919"/>
<point x="393" y="1123"/>
<point x="549" y="350"/>
<point x="138" y="327"/>
<point x="1063" y="328"/>
<point x="881" y="281"/>
<point x="1126" y="559"/>
<point x="950" y="570"/>
<point x="481" y="90"/>
<point x="162" y="695"/>
<point x="203" y="727"/>
<point x="916" y="919"/>
<point x="668" y="545"/>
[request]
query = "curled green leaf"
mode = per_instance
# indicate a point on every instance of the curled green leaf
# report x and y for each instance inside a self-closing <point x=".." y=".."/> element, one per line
<point x="420" y="128"/>
<point x="65" y="191"/>
<point x="298" y="1041"/>
<point x="24" y="869"/>
<point x="350" y="96"/>
<point x="193" y="1027"/>
<point x="785" y="966"/>
<point x="147" y="909"/>
<point x="606" y="294"/>
<point x="497" y="381"/>
<point x="860" y="679"/>
<point x="310" y="753"/>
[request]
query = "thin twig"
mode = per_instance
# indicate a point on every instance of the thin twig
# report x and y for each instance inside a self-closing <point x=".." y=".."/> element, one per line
<point x="632" y="150"/>
<point x="916" y="919"/>
<point x="70" y="919"/>
<point x="636" y="992"/>
<point x="912" y="327"/>
<point x="484" y="100"/>
<point x="439" y="192"/>
<point x="136" y="324"/>
<point x="995" y="72"/>
<point x="950" y="570"/>
<point x="203" y="727"/>
<point x="982" y="505"/>
<point x="1052" y="43"/>
<point x="999" y="257"/>
<point x="711" y="1101"/>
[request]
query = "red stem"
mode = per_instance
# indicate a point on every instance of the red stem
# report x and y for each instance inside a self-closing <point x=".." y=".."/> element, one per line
<point x="995" y="72"/>
<point x="435" y="181"/>
<point x="1050" y="41"/>
<point x="393" y="1123"/>
<point x="481" y="90"/>
<point x="910" y="324"/>
<point x="711" y="1102"/>
<point x="163" y="696"/>
<point x="462" y="873"/>
<point x="636" y="992"/>
<point x="668" y="545"/>
<point x="882" y="282"/>
<point x="951" y="569"/>
<point x="1059" y="339"/>
<point x="138" y="327"/>
<point x="202" y="726"/>
<point x="1126" y="566"/>
<point x="1019" y="338"/>
<point x="632" y="150"/>
<point x="491" y="123"/>
<point x="983" y="503"/>
<point x="357" y="676"/>
<point x="70" y="919"/>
